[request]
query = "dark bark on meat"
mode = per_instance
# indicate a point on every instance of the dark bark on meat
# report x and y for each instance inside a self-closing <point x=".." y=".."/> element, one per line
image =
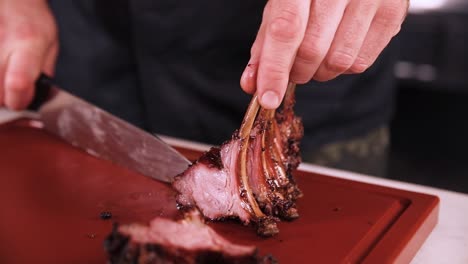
<point x="250" y="176"/>
<point x="154" y="245"/>
<point x="290" y="130"/>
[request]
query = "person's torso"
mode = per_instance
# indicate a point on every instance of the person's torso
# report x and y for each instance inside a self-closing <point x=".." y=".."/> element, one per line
<point x="174" y="67"/>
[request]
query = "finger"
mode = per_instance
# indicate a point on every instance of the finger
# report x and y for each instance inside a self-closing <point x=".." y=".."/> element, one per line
<point x="3" y="61"/>
<point x="50" y="59"/>
<point x="23" y="68"/>
<point x="324" y="19"/>
<point x="2" y="82"/>
<point x="285" y="27"/>
<point x="385" y="25"/>
<point x="348" y="39"/>
<point x="249" y="76"/>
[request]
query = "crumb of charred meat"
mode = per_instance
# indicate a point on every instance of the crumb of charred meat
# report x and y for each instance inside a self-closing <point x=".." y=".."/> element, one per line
<point x="250" y="176"/>
<point x="187" y="241"/>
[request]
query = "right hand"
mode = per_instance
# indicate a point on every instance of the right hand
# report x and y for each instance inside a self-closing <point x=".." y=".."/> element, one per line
<point x="28" y="46"/>
<point x="300" y="40"/>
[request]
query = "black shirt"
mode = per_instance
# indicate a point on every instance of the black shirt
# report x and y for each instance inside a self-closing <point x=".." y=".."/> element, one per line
<point x="173" y="67"/>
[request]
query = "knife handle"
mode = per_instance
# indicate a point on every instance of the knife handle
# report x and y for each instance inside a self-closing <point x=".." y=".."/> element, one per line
<point x="42" y="92"/>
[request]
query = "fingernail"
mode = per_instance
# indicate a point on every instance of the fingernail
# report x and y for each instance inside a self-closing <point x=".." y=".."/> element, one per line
<point x="248" y="78"/>
<point x="270" y="100"/>
<point x="249" y="71"/>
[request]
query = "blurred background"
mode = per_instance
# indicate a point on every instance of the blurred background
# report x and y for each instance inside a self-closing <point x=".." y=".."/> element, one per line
<point x="429" y="133"/>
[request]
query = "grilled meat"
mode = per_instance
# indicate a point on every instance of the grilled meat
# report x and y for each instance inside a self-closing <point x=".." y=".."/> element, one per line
<point x="250" y="176"/>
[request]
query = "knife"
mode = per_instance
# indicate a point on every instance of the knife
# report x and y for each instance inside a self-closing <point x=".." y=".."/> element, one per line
<point x="103" y="135"/>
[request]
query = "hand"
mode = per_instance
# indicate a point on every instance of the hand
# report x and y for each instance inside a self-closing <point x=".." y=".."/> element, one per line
<point x="300" y="40"/>
<point x="28" y="45"/>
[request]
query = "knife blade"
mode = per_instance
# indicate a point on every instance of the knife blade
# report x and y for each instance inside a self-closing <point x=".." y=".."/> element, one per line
<point x="103" y="135"/>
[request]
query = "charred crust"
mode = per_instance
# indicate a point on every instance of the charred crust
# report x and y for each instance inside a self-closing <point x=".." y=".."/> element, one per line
<point x="115" y="241"/>
<point x="212" y="158"/>
<point x="267" y="226"/>
<point x="186" y="209"/>
<point x="290" y="214"/>
<point x="226" y="219"/>
<point x="105" y="215"/>
<point x="235" y="136"/>
<point x="120" y="249"/>
<point x="217" y="257"/>
<point x="243" y="193"/>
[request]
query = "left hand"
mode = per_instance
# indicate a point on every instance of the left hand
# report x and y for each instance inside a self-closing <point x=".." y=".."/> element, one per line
<point x="301" y="40"/>
<point x="28" y="46"/>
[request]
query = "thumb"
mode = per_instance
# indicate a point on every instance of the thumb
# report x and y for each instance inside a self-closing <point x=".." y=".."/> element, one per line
<point x="50" y="59"/>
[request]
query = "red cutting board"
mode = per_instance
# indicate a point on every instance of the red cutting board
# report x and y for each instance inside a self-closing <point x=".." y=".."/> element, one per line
<point x="52" y="194"/>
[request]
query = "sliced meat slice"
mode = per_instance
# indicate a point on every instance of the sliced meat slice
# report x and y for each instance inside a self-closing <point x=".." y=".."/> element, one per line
<point x="167" y="241"/>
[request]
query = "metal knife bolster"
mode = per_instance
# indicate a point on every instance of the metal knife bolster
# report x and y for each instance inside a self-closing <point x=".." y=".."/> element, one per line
<point x="103" y="135"/>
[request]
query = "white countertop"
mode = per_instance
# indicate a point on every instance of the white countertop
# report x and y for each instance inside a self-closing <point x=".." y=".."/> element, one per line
<point x="448" y="242"/>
